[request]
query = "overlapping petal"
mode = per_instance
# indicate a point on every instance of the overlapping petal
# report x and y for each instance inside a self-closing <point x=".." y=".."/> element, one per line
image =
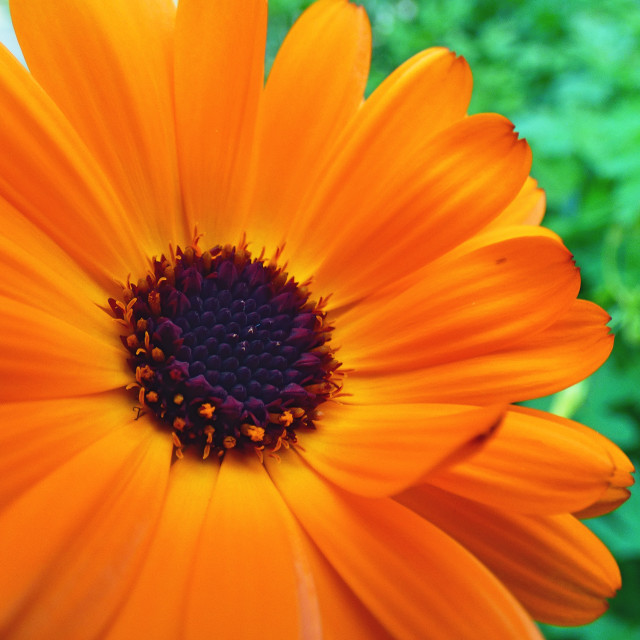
<point x="36" y="360"/>
<point x="564" y="353"/>
<point x="38" y="272"/>
<point x="39" y="436"/>
<point x="321" y="68"/>
<point x="617" y="491"/>
<point x="482" y="297"/>
<point x="163" y="580"/>
<point x="444" y="593"/>
<point x="74" y="204"/>
<point x="249" y="556"/>
<point x="554" y="565"/>
<point x="441" y="187"/>
<point x="343" y="613"/>
<point x="534" y="465"/>
<point x="118" y="485"/>
<point x="377" y="450"/>
<point x="112" y="80"/>
<point x="527" y="207"/>
<point x="428" y="93"/>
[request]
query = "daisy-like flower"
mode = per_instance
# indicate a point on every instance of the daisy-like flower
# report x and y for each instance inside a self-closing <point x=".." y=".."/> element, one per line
<point x="260" y="343"/>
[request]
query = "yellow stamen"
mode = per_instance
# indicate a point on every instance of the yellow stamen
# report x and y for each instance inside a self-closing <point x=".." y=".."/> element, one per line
<point x="206" y="410"/>
<point x="229" y="442"/>
<point x="256" y="434"/>
<point x="144" y="373"/>
<point x="179" y="423"/>
<point x="178" y="399"/>
<point x="132" y="341"/>
<point x="320" y="388"/>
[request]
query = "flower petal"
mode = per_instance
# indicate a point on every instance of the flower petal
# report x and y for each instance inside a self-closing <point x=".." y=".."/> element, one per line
<point x="617" y="492"/>
<point x="554" y="565"/>
<point x="74" y="204"/>
<point x="250" y="557"/>
<point x="426" y="94"/>
<point x="477" y="299"/>
<point x="219" y="44"/>
<point x="343" y="614"/>
<point x="162" y="581"/>
<point x="37" y="437"/>
<point x="112" y="80"/>
<point x="533" y="465"/>
<point x="561" y="355"/>
<point x="407" y="206"/>
<point x="526" y="208"/>
<point x="321" y="69"/>
<point x="416" y="580"/>
<point x="115" y="485"/>
<point x="37" y="272"/>
<point x="378" y="450"/>
<point x="42" y="356"/>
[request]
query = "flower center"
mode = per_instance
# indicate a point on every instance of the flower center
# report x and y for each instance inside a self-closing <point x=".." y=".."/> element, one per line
<point x="227" y="350"/>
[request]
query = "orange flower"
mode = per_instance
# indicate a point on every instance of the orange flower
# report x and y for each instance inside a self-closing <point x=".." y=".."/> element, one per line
<point x="365" y="475"/>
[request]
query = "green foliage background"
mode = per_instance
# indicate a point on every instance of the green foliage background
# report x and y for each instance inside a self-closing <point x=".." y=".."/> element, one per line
<point x="568" y="75"/>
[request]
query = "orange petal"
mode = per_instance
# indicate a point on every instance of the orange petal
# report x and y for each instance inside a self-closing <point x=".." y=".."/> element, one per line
<point x="616" y="492"/>
<point x="37" y="272"/>
<point x="112" y="80"/>
<point x="74" y="204"/>
<point x="412" y="577"/>
<point x="343" y="614"/>
<point x="378" y="154"/>
<point x="480" y="298"/>
<point x="554" y="565"/>
<point x="526" y="208"/>
<point x="163" y="578"/>
<point x="609" y="501"/>
<point x="532" y="465"/>
<point x="378" y="450"/>
<point x="561" y="355"/>
<point x="218" y="79"/>
<point x="69" y="545"/>
<point x="408" y="206"/>
<point x="37" y="437"/>
<point x="315" y="85"/>
<point x="250" y="571"/>
<point x="42" y="356"/>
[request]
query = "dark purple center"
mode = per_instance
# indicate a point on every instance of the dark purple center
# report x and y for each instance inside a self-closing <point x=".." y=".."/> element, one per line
<point x="227" y="349"/>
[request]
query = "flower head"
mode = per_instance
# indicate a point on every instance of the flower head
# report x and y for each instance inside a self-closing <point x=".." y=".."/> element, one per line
<point x="261" y="343"/>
